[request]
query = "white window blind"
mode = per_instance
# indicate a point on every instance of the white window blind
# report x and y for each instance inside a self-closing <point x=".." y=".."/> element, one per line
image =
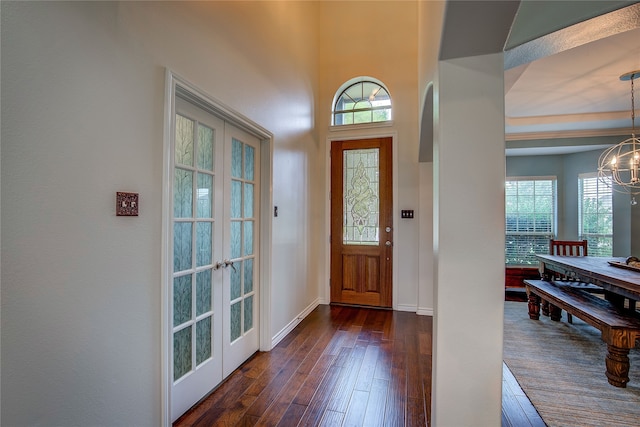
<point x="530" y="210"/>
<point x="595" y="214"/>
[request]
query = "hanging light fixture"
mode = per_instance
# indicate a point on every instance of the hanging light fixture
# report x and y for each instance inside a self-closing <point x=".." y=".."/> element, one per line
<point x="619" y="165"/>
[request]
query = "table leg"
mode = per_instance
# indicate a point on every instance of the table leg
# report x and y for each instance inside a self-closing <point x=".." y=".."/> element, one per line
<point x="555" y="312"/>
<point x="534" y="306"/>
<point x="617" y="362"/>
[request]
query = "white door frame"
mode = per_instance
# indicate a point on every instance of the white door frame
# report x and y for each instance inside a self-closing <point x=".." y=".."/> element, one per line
<point x="355" y="132"/>
<point x="174" y="83"/>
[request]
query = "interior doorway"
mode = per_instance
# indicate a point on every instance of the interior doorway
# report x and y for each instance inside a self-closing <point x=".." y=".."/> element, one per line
<point x="216" y="227"/>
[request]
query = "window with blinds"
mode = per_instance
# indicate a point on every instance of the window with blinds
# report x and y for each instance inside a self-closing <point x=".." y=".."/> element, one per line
<point x="595" y="214"/>
<point x="530" y="213"/>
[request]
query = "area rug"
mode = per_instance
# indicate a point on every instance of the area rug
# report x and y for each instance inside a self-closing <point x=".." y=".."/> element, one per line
<point x="561" y="368"/>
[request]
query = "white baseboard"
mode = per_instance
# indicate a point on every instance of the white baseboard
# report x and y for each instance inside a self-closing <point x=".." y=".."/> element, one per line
<point x="285" y="331"/>
<point x="406" y="307"/>
<point x="423" y="311"/>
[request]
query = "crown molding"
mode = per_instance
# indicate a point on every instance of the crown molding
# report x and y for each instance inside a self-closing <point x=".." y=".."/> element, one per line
<point x="587" y="133"/>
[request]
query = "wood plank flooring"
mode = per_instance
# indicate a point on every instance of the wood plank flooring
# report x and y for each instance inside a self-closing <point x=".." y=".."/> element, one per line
<point x="341" y="366"/>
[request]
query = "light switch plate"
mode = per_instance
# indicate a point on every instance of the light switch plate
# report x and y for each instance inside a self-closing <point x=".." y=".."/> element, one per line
<point x="406" y="213"/>
<point x="127" y="204"/>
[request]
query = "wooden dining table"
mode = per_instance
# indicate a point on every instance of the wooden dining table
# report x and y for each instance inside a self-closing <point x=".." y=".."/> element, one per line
<point x="619" y="325"/>
<point x="612" y="274"/>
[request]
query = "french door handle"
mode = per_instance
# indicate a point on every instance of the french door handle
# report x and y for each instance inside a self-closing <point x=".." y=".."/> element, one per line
<point x="224" y="264"/>
<point x="228" y="263"/>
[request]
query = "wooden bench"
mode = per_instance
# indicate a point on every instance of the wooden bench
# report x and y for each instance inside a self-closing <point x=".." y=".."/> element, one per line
<point x="619" y="328"/>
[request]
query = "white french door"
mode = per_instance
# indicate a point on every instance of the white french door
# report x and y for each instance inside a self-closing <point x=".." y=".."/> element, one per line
<point x="214" y="290"/>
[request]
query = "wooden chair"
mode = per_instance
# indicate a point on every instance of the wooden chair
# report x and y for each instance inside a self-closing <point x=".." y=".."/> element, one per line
<point x="568" y="247"/>
<point x="572" y="248"/>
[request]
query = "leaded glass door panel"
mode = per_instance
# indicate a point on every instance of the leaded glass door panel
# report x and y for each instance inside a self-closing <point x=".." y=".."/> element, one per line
<point x="214" y="287"/>
<point x="361" y="222"/>
<point x="240" y="297"/>
<point x="196" y="292"/>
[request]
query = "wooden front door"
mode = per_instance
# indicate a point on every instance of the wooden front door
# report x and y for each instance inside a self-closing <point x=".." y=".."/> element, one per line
<point x="361" y="222"/>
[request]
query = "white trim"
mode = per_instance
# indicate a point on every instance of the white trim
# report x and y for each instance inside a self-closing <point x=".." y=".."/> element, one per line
<point x="352" y="82"/>
<point x="200" y="98"/>
<point x="165" y="389"/>
<point x="361" y="126"/>
<point x="354" y="134"/>
<point x="266" y="236"/>
<point x="424" y="311"/>
<point x="532" y="178"/>
<point x="295" y="322"/>
<point x="407" y="307"/>
<point x="588" y="175"/>
<point x="585" y="133"/>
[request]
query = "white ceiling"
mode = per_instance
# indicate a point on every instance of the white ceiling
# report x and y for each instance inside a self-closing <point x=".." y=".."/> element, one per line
<point x="563" y="92"/>
<point x="575" y="91"/>
<point x="563" y="62"/>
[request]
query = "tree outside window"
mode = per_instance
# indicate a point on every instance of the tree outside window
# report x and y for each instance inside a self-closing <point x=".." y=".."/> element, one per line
<point x="596" y="214"/>
<point x="530" y="211"/>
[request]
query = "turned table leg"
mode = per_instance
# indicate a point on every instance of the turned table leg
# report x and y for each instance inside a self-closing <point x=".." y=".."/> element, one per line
<point x="555" y="312"/>
<point x="545" y="308"/>
<point x="534" y="306"/>
<point x="617" y="365"/>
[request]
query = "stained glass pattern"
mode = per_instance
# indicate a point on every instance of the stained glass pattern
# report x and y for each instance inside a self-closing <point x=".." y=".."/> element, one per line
<point x="193" y="177"/>
<point x="203" y="340"/>
<point x="203" y="292"/>
<point x="235" y="324"/>
<point x="242" y="237"/>
<point x="204" y="193"/>
<point x="181" y="299"/>
<point x="248" y="313"/>
<point x="181" y="246"/>
<point x="248" y="200"/>
<point x="235" y="283"/>
<point x="181" y="353"/>
<point x="236" y="199"/>
<point x="203" y="243"/>
<point x="236" y="238"/>
<point x="205" y="148"/>
<point x="248" y="275"/>
<point x="248" y="237"/>
<point x="236" y="158"/>
<point x="182" y="193"/>
<point x="184" y="141"/>
<point x="361" y="197"/>
<point x="249" y="163"/>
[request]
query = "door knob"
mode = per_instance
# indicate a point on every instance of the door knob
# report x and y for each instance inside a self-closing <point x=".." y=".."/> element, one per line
<point x="388" y="243"/>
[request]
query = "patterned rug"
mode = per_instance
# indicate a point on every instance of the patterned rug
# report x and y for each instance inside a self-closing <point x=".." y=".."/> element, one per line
<point x="561" y="368"/>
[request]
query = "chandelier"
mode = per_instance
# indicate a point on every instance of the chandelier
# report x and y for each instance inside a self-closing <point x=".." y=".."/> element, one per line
<point x="619" y="165"/>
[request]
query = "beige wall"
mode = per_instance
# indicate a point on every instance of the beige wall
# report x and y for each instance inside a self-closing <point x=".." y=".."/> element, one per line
<point x="82" y="118"/>
<point x="431" y="16"/>
<point x="379" y="40"/>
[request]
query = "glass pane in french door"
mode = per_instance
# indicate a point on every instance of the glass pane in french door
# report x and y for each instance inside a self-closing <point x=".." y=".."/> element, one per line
<point x="242" y="238"/>
<point x="192" y="244"/>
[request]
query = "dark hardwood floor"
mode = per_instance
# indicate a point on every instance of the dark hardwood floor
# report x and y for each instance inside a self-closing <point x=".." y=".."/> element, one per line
<point x="341" y="366"/>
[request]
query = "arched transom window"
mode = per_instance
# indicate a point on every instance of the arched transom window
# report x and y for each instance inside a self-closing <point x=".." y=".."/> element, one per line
<point x="364" y="101"/>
